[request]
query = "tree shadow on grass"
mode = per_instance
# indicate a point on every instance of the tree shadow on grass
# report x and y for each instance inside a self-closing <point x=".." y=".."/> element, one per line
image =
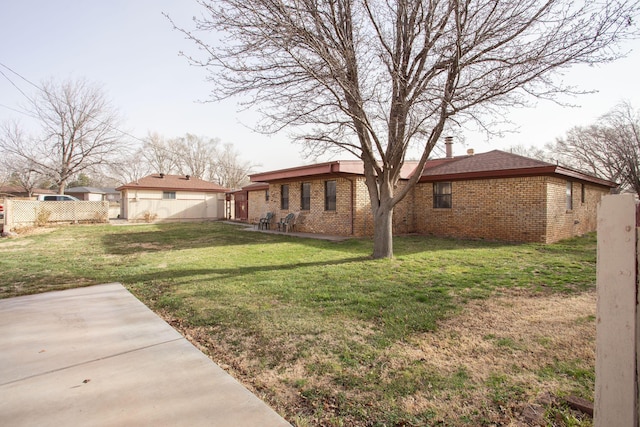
<point x="177" y="274"/>
<point x="178" y="236"/>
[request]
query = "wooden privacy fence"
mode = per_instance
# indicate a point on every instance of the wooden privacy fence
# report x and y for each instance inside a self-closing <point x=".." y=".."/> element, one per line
<point x="617" y="321"/>
<point x="26" y="213"/>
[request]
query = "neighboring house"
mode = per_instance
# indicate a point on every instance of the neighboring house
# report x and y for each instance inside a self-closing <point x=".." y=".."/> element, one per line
<point x="494" y="195"/>
<point x="94" y="194"/>
<point x="19" y="191"/>
<point x="171" y="197"/>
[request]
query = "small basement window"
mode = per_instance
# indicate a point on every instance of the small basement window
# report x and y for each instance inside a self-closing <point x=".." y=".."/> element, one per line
<point x="442" y="195"/>
<point x="168" y="194"/>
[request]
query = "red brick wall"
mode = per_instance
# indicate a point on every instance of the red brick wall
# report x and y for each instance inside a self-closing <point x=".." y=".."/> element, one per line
<point x="563" y="223"/>
<point x="258" y="206"/>
<point x="352" y="216"/>
<point x="497" y="209"/>
<point x="526" y="209"/>
<point x="316" y="219"/>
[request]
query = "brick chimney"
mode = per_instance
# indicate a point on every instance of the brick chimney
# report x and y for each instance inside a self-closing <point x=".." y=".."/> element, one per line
<point x="448" y="143"/>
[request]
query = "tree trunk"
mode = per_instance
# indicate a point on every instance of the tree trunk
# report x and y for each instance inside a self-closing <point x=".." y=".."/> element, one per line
<point x="383" y="233"/>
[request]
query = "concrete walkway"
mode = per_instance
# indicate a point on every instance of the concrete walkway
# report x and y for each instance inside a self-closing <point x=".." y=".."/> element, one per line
<point x="97" y="356"/>
<point x="254" y="227"/>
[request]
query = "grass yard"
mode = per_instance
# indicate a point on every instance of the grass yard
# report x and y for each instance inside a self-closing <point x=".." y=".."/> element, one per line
<point x="450" y="332"/>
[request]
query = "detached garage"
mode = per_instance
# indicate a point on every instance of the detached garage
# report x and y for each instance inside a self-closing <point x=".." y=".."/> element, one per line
<point x="161" y="197"/>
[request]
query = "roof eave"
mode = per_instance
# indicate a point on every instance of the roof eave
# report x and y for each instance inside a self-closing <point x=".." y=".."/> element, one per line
<point x="521" y="172"/>
<point x="168" y="188"/>
<point x="348" y="167"/>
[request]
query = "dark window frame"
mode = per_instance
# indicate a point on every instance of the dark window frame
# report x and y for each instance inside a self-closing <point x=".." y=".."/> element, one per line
<point x="442" y="195"/>
<point x="284" y="196"/>
<point x="266" y="195"/>
<point x="305" y="196"/>
<point x="583" y="195"/>
<point x="168" y="195"/>
<point x="330" y="195"/>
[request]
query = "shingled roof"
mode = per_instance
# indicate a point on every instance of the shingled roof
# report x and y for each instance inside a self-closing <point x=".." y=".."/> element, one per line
<point x="173" y="183"/>
<point x="500" y="164"/>
<point x="352" y="167"/>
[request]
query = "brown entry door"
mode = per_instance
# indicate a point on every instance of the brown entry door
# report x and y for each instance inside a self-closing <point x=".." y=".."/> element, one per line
<point x="242" y="206"/>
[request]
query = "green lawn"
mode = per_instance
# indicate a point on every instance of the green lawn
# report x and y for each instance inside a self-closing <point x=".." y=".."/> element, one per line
<point x="449" y="332"/>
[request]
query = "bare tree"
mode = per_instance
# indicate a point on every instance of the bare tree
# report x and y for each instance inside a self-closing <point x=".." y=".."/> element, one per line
<point x="159" y="154"/>
<point x="532" y="152"/>
<point x="374" y="77"/>
<point x="78" y="131"/>
<point x="21" y="171"/>
<point x="130" y="166"/>
<point x="624" y="123"/>
<point x="610" y="148"/>
<point x="194" y="154"/>
<point x="228" y="170"/>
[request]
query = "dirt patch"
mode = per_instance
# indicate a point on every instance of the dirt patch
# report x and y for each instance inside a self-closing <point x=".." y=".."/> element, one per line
<point x="31" y="231"/>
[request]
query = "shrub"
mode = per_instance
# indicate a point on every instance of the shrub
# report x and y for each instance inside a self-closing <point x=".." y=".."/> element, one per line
<point x="42" y="217"/>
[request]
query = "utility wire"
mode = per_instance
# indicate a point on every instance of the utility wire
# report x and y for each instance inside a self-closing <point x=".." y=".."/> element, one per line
<point x="58" y="99"/>
<point x="240" y="169"/>
<point x="25" y="113"/>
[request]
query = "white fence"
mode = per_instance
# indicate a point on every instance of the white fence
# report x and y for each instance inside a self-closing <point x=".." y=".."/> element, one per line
<point x="26" y="213"/>
<point x="617" y="322"/>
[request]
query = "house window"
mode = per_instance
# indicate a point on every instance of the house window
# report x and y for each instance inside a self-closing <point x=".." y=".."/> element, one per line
<point x="582" y="193"/>
<point x="266" y="195"/>
<point x="305" y="196"/>
<point x="168" y="194"/>
<point x="329" y="195"/>
<point x="442" y="195"/>
<point x="284" y="197"/>
<point x="569" y="195"/>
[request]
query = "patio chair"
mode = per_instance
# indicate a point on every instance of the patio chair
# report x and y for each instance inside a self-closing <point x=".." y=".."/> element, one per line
<point x="265" y="222"/>
<point x="287" y="222"/>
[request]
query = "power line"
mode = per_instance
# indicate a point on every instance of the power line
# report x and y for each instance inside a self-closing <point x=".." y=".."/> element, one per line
<point x="58" y="99"/>
<point x="19" y="111"/>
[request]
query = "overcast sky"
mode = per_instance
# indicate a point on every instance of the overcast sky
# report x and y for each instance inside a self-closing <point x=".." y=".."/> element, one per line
<point x="130" y="49"/>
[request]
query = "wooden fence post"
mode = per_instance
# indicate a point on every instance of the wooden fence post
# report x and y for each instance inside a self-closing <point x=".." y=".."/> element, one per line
<point x="616" y="392"/>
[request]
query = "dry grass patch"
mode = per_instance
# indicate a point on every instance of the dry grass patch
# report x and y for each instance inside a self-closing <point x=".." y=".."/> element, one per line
<point x="498" y="358"/>
<point x="504" y="345"/>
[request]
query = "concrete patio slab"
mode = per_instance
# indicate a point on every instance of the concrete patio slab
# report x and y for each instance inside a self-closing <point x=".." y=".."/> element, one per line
<point x="97" y="356"/>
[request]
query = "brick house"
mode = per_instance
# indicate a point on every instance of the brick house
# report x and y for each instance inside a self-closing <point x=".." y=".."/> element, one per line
<point x="251" y="202"/>
<point x="494" y="195"/>
<point x="171" y="197"/>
